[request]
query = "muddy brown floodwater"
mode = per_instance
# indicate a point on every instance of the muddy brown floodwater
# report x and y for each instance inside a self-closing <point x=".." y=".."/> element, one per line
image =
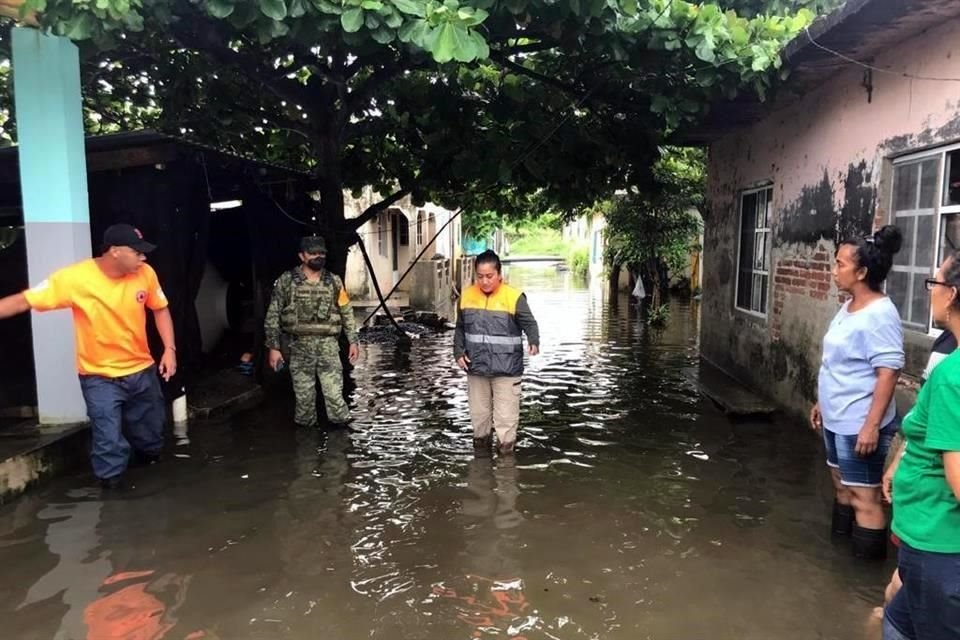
<point x="632" y="510"/>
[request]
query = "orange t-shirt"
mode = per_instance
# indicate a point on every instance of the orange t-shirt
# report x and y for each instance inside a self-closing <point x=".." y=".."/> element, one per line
<point x="109" y="315"/>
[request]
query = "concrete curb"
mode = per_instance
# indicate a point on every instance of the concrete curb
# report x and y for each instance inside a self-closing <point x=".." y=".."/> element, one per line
<point x="35" y="454"/>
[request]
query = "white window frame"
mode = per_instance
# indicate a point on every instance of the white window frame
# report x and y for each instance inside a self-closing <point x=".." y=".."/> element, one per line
<point x="767" y="231"/>
<point x="420" y="221"/>
<point x="939" y="211"/>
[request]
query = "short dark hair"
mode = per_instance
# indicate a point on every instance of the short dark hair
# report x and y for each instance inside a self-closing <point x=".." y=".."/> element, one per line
<point x="951" y="274"/>
<point x="875" y="253"/>
<point x="488" y="257"/>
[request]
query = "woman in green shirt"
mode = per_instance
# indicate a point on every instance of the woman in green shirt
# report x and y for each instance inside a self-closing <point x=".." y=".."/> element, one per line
<point x="926" y="491"/>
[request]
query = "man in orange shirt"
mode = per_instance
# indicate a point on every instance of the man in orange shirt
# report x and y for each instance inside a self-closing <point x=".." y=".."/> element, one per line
<point x="109" y="297"/>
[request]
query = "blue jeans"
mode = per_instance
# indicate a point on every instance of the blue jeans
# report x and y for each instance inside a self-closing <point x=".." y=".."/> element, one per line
<point x="927" y="607"/>
<point x="857" y="471"/>
<point x="135" y="400"/>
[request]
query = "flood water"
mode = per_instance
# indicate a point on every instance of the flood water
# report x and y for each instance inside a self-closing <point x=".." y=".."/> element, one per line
<point x="633" y="510"/>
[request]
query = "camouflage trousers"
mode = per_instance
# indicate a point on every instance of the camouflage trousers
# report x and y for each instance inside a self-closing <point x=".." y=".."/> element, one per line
<point x="315" y="358"/>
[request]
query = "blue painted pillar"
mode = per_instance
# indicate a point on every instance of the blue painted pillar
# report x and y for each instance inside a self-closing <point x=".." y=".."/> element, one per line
<point x="53" y="181"/>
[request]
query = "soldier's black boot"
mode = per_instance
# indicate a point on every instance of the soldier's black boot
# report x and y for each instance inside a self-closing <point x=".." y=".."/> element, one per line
<point x="869" y="544"/>
<point x="843" y="519"/>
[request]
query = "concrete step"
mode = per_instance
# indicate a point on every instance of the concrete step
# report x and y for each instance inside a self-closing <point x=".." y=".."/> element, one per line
<point x="30" y="453"/>
<point x="732" y="396"/>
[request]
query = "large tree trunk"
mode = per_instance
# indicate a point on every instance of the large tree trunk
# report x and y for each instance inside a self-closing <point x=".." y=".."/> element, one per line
<point x="331" y="222"/>
<point x="613" y="281"/>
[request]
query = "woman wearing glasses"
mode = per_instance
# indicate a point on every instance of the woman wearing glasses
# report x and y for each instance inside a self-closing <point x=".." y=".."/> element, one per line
<point x="862" y="358"/>
<point x="926" y="491"/>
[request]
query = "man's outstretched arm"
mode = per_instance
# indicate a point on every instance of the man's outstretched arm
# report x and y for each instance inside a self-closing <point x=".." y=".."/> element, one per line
<point x="13" y="305"/>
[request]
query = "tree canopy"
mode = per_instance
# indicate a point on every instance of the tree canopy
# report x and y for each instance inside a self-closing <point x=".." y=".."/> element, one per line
<point x="487" y="104"/>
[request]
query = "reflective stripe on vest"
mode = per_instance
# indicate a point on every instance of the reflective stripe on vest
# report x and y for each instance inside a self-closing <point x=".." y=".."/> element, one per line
<point x="479" y="337"/>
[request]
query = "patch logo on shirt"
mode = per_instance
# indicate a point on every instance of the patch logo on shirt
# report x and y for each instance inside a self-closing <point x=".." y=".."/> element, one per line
<point x="141" y="296"/>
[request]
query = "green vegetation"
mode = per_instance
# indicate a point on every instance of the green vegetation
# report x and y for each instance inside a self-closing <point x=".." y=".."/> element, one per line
<point x="539" y="236"/>
<point x="661" y="223"/>
<point x="578" y="261"/>
<point x="658" y="315"/>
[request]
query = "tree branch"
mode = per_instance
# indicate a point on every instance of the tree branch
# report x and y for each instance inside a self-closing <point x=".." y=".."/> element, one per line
<point x="530" y="47"/>
<point x="374" y="210"/>
<point x="505" y="61"/>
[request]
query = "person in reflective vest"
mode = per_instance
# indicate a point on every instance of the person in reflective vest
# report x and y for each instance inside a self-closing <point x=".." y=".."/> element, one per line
<point x="488" y="345"/>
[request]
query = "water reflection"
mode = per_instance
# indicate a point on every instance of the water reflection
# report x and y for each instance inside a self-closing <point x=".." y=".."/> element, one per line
<point x="633" y="509"/>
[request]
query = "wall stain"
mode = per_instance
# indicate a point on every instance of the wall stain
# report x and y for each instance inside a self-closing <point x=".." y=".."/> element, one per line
<point x="790" y="360"/>
<point x="811" y="216"/>
<point x="949" y="132"/>
<point x="859" y="205"/>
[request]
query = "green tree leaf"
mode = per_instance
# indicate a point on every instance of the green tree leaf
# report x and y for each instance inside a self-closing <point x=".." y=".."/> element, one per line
<point x="80" y="27"/>
<point x="443" y="42"/>
<point x="383" y="36"/>
<point x="298" y="8"/>
<point x="352" y="20"/>
<point x="705" y="51"/>
<point x="410" y="7"/>
<point x="274" y="9"/>
<point x="220" y="8"/>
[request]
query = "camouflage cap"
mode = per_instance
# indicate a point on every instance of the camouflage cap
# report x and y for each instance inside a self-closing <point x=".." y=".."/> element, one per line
<point x="313" y="244"/>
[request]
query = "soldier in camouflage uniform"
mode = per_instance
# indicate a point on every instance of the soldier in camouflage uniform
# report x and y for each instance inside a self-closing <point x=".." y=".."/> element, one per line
<point x="307" y="312"/>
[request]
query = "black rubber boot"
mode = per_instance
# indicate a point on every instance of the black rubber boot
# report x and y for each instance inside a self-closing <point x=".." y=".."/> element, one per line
<point x="869" y="544"/>
<point x="505" y="448"/>
<point x="843" y="519"/>
<point x="482" y="447"/>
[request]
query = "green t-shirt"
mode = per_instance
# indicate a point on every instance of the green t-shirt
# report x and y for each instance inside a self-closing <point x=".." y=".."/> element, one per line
<point x="926" y="513"/>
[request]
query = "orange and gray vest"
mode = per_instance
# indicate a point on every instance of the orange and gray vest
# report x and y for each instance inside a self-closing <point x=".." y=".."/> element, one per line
<point x="310" y="309"/>
<point x="493" y="338"/>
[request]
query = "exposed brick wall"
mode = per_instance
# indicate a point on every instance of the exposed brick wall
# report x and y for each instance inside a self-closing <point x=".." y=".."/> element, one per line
<point x="801" y="276"/>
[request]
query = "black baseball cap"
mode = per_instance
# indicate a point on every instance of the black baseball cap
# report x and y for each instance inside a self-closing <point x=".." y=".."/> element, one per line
<point x="125" y="235"/>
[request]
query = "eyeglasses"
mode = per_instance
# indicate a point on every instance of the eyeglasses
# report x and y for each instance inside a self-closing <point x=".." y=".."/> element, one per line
<point x="930" y="283"/>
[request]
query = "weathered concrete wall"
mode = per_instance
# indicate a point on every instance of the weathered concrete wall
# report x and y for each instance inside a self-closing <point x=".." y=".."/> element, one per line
<point x="827" y="157"/>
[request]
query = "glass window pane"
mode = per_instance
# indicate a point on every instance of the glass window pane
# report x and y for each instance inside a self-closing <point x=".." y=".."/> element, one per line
<point x="905" y="187"/>
<point x="897" y="283"/>
<point x="949" y="236"/>
<point x="760" y="251"/>
<point x="764" y="285"/>
<point x="767" y="209"/>
<point x="951" y="184"/>
<point x="925" y="239"/>
<point x="749" y="211"/>
<point x="747" y="235"/>
<point x="920" y="309"/>
<point x="757" y="287"/>
<point x="908" y="226"/>
<point x="928" y="182"/>
<point x="743" y="290"/>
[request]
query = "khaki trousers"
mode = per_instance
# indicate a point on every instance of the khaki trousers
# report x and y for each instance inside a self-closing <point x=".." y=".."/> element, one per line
<point x="494" y="403"/>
